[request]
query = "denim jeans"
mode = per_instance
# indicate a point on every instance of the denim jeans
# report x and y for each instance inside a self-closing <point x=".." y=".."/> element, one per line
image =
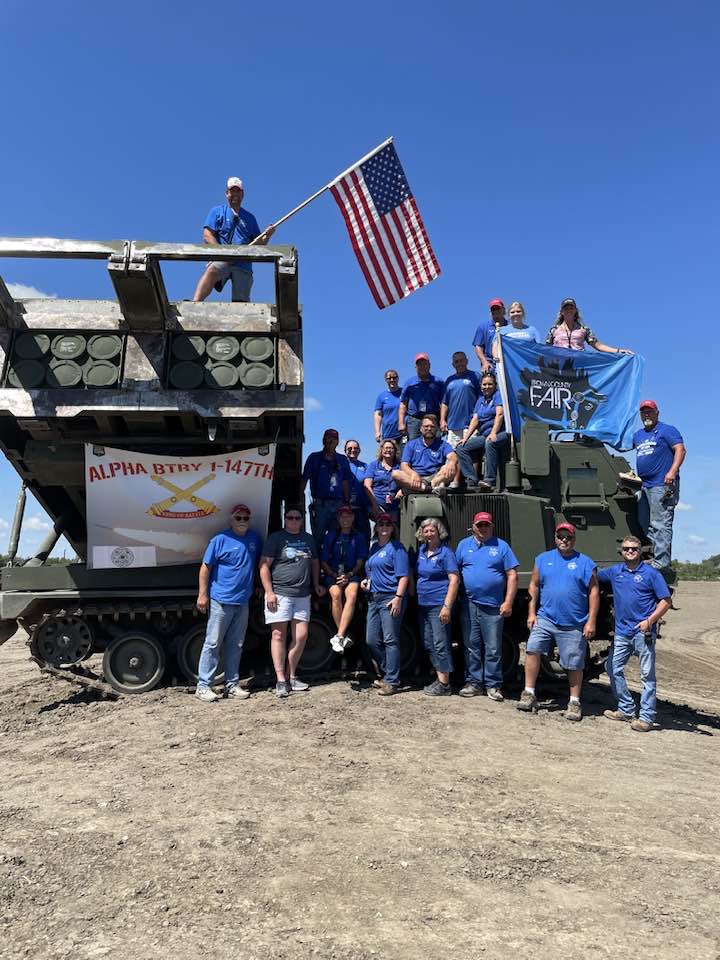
<point x="437" y="638"/>
<point x="226" y="626"/>
<point x="470" y="453"/>
<point x="620" y="652"/>
<point x="656" y="519"/>
<point x="323" y="516"/>
<point x="482" y="629"/>
<point x="383" y="636"/>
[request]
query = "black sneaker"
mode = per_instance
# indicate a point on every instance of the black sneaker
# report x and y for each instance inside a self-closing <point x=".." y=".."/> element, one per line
<point x="438" y="689"/>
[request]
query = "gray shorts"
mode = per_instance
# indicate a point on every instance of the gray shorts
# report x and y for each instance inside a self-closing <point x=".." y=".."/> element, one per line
<point x="242" y="280"/>
<point x="289" y="608"/>
<point x="571" y="644"/>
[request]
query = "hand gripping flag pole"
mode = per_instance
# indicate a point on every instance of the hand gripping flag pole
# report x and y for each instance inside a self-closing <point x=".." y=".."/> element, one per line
<point x="512" y="469"/>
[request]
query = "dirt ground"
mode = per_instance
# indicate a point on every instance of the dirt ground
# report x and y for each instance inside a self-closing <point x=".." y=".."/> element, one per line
<point x="339" y="824"/>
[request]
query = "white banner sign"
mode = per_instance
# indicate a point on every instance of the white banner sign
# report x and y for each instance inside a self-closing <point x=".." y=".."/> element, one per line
<point x="147" y="510"/>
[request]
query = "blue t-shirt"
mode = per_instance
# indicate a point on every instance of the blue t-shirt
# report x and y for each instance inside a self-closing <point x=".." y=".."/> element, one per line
<point x="343" y="549"/>
<point x="484" y="336"/>
<point x="388" y="404"/>
<point x="484" y="410"/>
<point x="526" y="333"/>
<point x="426" y="460"/>
<point x="432" y="575"/>
<point x="635" y="594"/>
<point x="461" y="391"/>
<point x="655" y="453"/>
<point x="386" y="565"/>
<point x="422" y="396"/>
<point x="326" y="476"/>
<point x="231" y="227"/>
<point x="358" y="497"/>
<point x="483" y="568"/>
<point x="564" y="587"/>
<point x="233" y="560"/>
<point x="383" y="486"/>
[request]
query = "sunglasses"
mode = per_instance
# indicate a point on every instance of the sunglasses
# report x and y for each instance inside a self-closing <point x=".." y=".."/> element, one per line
<point x="483" y="523"/>
<point x="293" y="516"/>
<point x="628" y="549"/>
<point x="564" y="536"/>
<point x="241" y="516"/>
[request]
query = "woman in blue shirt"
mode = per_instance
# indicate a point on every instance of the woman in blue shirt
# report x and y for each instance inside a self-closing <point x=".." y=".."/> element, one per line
<point x="344" y="552"/>
<point x="383" y="491"/>
<point x="517" y="329"/>
<point x="388" y="573"/>
<point x="437" y="587"/>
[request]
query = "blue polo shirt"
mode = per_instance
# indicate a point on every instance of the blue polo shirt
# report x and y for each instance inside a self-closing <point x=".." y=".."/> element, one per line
<point x="326" y="476"/>
<point x="358" y="472"/>
<point x="422" y="396"/>
<point x="461" y="391"/>
<point x="343" y="548"/>
<point x="231" y="227"/>
<point x="383" y="486"/>
<point x="655" y="453"/>
<point x="483" y="568"/>
<point x="564" y="587"/>
<point x="432" y="575"/>
<point x="525" y="333"/>
<point x="635" y="594"/>
<point x="386" y="565"/>
<point x="387" y="405"/>
<point x="484" y="410"/>
<point x="426" y="460"/>
<point x="233" y="560"/>
<point x="484" y="336"/>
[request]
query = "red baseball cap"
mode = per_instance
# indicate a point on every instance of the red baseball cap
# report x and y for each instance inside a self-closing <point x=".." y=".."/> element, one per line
<point x="241" y="508"/>
<point x="648" y="403"/>
<point x="343" y="508"/>
<point x="565" y="526"/>
<point x="482" y="517"/>
<point x="422" y="356"/>
<point x="497" y="302"/>
<point x="386" y="517"/>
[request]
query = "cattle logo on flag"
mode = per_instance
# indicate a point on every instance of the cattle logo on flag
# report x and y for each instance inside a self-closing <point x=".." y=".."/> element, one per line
<point x="386" y="230"/>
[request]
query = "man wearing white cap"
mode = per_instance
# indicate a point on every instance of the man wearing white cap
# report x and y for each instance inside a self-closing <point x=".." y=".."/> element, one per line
<point x="229" y="222"/>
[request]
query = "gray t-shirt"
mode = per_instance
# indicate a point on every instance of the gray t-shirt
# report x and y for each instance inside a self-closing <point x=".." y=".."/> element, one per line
<point x="291" y="569"/>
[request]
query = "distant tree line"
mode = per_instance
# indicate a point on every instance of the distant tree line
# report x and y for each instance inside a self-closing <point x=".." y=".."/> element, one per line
<point x="51" y="561"/>
<point x="708" y="569"/>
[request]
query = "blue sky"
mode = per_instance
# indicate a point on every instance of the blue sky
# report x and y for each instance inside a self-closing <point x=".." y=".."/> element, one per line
<point x="555" y="150"/>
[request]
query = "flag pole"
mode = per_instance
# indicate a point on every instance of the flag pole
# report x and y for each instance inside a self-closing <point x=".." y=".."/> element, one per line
<point x="512" y="471"/>
<point x="327" y="186"/>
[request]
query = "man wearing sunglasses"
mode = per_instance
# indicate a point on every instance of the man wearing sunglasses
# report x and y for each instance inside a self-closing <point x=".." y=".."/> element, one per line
<point x="640" y="597"/>
<point x="566" y="584"/>
<point x="227" y="579"/>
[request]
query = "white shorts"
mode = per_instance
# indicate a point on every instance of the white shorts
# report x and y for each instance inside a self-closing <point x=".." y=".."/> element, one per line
<point x="289" y="608"/>
<point x="454" y="438"/>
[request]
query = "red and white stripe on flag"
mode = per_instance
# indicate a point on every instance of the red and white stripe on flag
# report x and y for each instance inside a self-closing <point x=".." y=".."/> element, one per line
<point x="392" y="249"/>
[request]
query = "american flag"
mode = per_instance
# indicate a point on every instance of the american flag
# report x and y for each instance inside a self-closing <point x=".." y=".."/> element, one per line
<point x="385" y="227"/>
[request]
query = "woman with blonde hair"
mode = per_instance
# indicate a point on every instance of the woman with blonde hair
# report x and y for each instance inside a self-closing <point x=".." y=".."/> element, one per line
<point x="517" y="329"/>
<point x="383" y="491"/>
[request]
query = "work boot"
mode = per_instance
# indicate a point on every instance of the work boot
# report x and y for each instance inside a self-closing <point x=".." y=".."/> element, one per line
<point x="469" y="690"/>
<point x="618" y="715"/>
<point x="495" y="694"/>
<point x="641" y="726"/>
<point x="573" y="711"/>
<point x="206" y="695"/>
<point x="387" y="690"/>
<point x="527" y="702"/>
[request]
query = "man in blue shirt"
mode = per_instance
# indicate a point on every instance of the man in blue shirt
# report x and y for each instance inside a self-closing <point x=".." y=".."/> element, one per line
<point x="566" y="582"/>
<point x="488" y="570"/>
<point x="484" y="434"/>
<point x="485" y="334"/>
<point x="660" y="453"/>
<point x="461" y="392"/>
<point x="230" y="223"/>
<point x="428" y="463"/>
<point x="641" y="597"/>
<point x="329" y="474"/>
<point x="387" y="406"/>
<point x="359" y="500"/>
<point x="227" y="579"/>
<point x="420" y="395"/>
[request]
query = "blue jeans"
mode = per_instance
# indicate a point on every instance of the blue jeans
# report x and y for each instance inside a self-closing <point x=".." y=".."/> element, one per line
<point x="437" y="638"/>
<point x="226" y="626"/>
<point x="470" y="453"/>
<point x="323" y="517"/>
<point x="620" y="652"/>
<point x="482" y="629"/>
<point x="383" y="635"/>
<point x="571" y="644"/>
<point x="656" y="519"/>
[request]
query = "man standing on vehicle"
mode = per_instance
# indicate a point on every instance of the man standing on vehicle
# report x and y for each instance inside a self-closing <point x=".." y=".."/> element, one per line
<point x="227" y="579"/>
<point x="640" y="597"/>
<point x="420" y="395"/>
<point x="461" y="392"/>
<point x="387" y="406"/>
<point x="660" y="453"/>
<point x="226" y="223"/>
<point x="569" y="601"/>
<point x="358" y="496"/>
<point x="329" y="474"/>
<point x="485" y="335"/>
<point x="488" y="570"/>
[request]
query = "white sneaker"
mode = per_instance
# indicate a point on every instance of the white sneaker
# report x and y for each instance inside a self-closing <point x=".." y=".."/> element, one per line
<point x="336" y="643"/>
<point x="237" y="692"/>
<point x="206" y="695"/>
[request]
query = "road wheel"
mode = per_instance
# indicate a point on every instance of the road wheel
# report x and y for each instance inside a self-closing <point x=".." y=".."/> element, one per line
<point x="134" y="663"/>
<point x="188" y="655"/>
<point x="318" y="654"/>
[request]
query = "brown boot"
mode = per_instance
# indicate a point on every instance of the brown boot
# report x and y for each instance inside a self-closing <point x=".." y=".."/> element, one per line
<point x="641" y="726"/>
<point x="387" y="690"/>
<point x="618" y="715"/>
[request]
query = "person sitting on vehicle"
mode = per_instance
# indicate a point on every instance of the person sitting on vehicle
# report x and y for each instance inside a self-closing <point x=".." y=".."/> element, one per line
<point x="485" y="334"/>
<point x="570" y="332"/>
<point x="517" y="329"/>
<point x="344" y="552"/>
<point x="484" y="434"/>
<point x="421" y="394"/>
<point x="461" y="392"/>
<point x="380" y="486"/>
<point x="387" y="406"/>
<point x="437" y="583"/>
<point x="428" y="463"/>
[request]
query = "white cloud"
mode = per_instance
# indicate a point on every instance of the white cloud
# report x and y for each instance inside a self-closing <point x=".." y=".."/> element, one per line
<point x="21" y="291"/>
<point x="684" y="506"/>
<point x="695" y="541"/>
<point x="36" y="523"/>
<point x="4" y="525"/>
<point x="312" y="405"/>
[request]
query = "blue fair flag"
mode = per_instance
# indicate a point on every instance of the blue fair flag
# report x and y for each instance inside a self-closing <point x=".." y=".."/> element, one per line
<point x="583" y="391"/>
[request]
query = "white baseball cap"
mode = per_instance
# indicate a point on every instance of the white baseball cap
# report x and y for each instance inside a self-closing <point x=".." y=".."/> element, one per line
<point x="235" y="182"/>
